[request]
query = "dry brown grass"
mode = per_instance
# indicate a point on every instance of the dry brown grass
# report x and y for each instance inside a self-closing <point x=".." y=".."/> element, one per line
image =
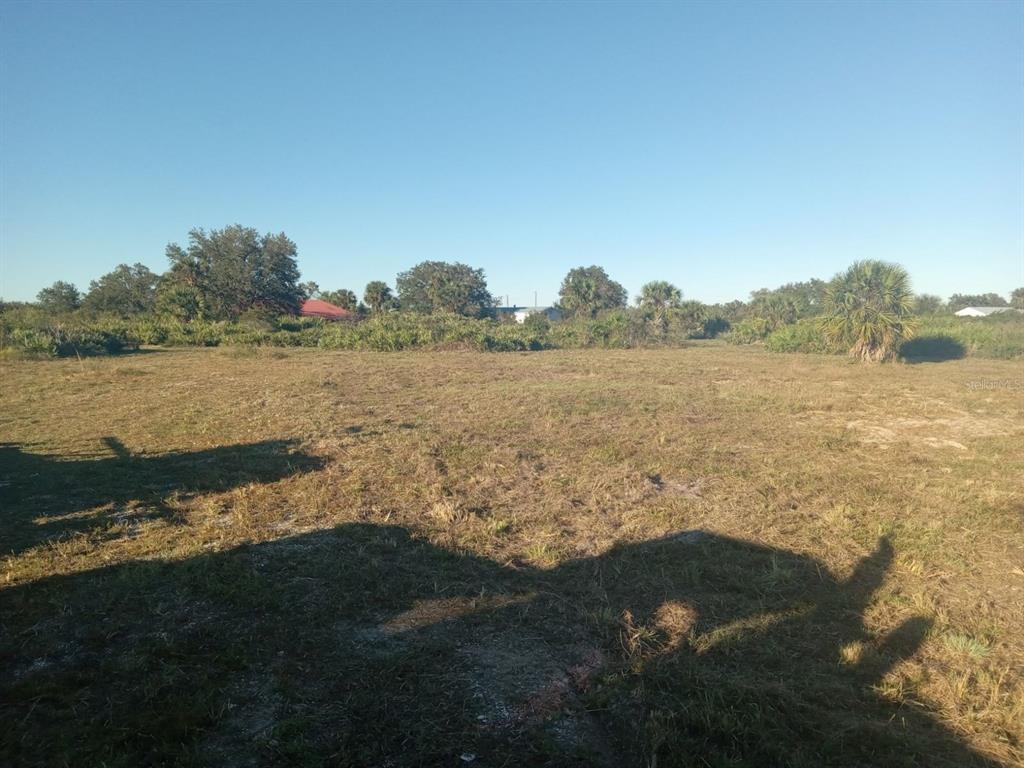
<point x="529" y="464"/>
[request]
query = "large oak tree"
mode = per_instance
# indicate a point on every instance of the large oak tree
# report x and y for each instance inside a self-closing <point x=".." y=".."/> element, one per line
<point x="60" y="297"/>
<point x="234" y="269"/>
<point x="127" y="290"/>
<point x="439" y="286"/>
<point x="588" y="290"/>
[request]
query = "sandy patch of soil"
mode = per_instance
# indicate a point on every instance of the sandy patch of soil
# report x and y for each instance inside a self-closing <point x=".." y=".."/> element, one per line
<point x="953" y="432"/>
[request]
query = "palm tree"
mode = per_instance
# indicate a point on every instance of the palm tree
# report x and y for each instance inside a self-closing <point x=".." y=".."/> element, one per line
<point x="869" y="307"/>
<point x="342" y="297"/>
<point x="378" y="296"/>
<point x="777" y="310"/>
<point x="658" y="297"/>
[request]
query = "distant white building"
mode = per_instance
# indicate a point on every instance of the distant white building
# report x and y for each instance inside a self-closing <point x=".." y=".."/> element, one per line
<point x="551" y="313"/>
<point x="982" y="311"/>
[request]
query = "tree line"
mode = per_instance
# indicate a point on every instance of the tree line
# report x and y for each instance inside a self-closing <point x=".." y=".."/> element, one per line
<point x="223" y="274"/>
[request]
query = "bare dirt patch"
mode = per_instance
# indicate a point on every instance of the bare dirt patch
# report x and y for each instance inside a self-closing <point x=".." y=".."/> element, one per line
<point x="949" y="432"/>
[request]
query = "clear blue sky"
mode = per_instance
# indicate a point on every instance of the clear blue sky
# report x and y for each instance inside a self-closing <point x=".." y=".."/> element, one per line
<point x="721" y="146"/>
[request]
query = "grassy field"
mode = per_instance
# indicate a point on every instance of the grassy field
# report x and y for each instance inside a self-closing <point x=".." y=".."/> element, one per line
<point x="709" y="556"/>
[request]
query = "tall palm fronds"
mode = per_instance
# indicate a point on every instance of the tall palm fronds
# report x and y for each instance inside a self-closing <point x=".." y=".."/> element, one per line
<point x="657" y="298"/>
<point x="869" y="307"/>
<point x="776" y="311"/>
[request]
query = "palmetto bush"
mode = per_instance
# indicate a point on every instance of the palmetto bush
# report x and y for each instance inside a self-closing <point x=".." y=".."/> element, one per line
<point x="40" y="334"/>
<point x="29" y="341"/>
<point x="750" y="330"/>
<point x="868" y="309"/>
<point x="999" y="336"/>
<point x="802" y="336"/>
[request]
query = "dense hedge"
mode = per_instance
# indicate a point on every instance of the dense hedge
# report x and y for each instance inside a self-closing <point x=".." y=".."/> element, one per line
<point x="1000" y="336"/>
<point x="801" y="336"/>
<point x="405" y="331"/>
<point x="749" y="330"/>
<point x="29" y="331"/>
<point x="63" y="341"/>
<point x="937" y="337"/>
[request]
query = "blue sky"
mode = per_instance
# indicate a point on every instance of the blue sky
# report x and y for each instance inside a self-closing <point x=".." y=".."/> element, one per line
<point x="722" y="146"/>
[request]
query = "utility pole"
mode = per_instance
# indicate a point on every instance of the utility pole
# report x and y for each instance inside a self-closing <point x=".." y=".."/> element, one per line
<point x="534" y="298"/>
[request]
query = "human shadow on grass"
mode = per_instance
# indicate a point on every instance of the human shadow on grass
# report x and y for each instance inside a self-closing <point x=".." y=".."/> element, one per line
<point x="43" y="496"/>
<point x="364" y="645"/>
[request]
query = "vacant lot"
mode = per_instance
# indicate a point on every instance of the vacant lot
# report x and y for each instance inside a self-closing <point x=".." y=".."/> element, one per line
<point x="707" y="556"/>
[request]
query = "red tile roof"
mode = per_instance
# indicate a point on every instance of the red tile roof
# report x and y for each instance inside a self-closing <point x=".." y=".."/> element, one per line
<point x="318" y="308"/>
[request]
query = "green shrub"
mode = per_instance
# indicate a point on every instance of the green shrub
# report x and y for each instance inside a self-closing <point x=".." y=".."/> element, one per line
<point x="31" y="331"/>
<point x="997" y="336"/>
<point x="750" y="330"/>
<point x="82" y="340"/>
<point x="31" y="341"/>
<point x="65" y="341"/>
<point x="398" y="331"/>
<point x="258" y="319"/>
<point x="802" y="336"/>
<point x="628" y="328"/>
<point x="242" y="336"/>
<point x="537" y="322"/>
<point x="617" y="329"/>
<point x="151" y="331"/>
<point x="938" y="337"/>
<point x="513" y="337"/>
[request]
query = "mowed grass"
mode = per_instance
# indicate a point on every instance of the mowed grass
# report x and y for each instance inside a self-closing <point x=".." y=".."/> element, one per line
<point x="707" y="556"/>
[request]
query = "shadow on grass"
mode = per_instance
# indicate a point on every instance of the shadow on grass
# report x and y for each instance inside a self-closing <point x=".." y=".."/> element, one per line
<point x="64" y="354"/>
<point x="932" y="349"/>
<point x="128" y="350"/>
<point x="364" y="645"/>
<point x="43" y="497"/>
